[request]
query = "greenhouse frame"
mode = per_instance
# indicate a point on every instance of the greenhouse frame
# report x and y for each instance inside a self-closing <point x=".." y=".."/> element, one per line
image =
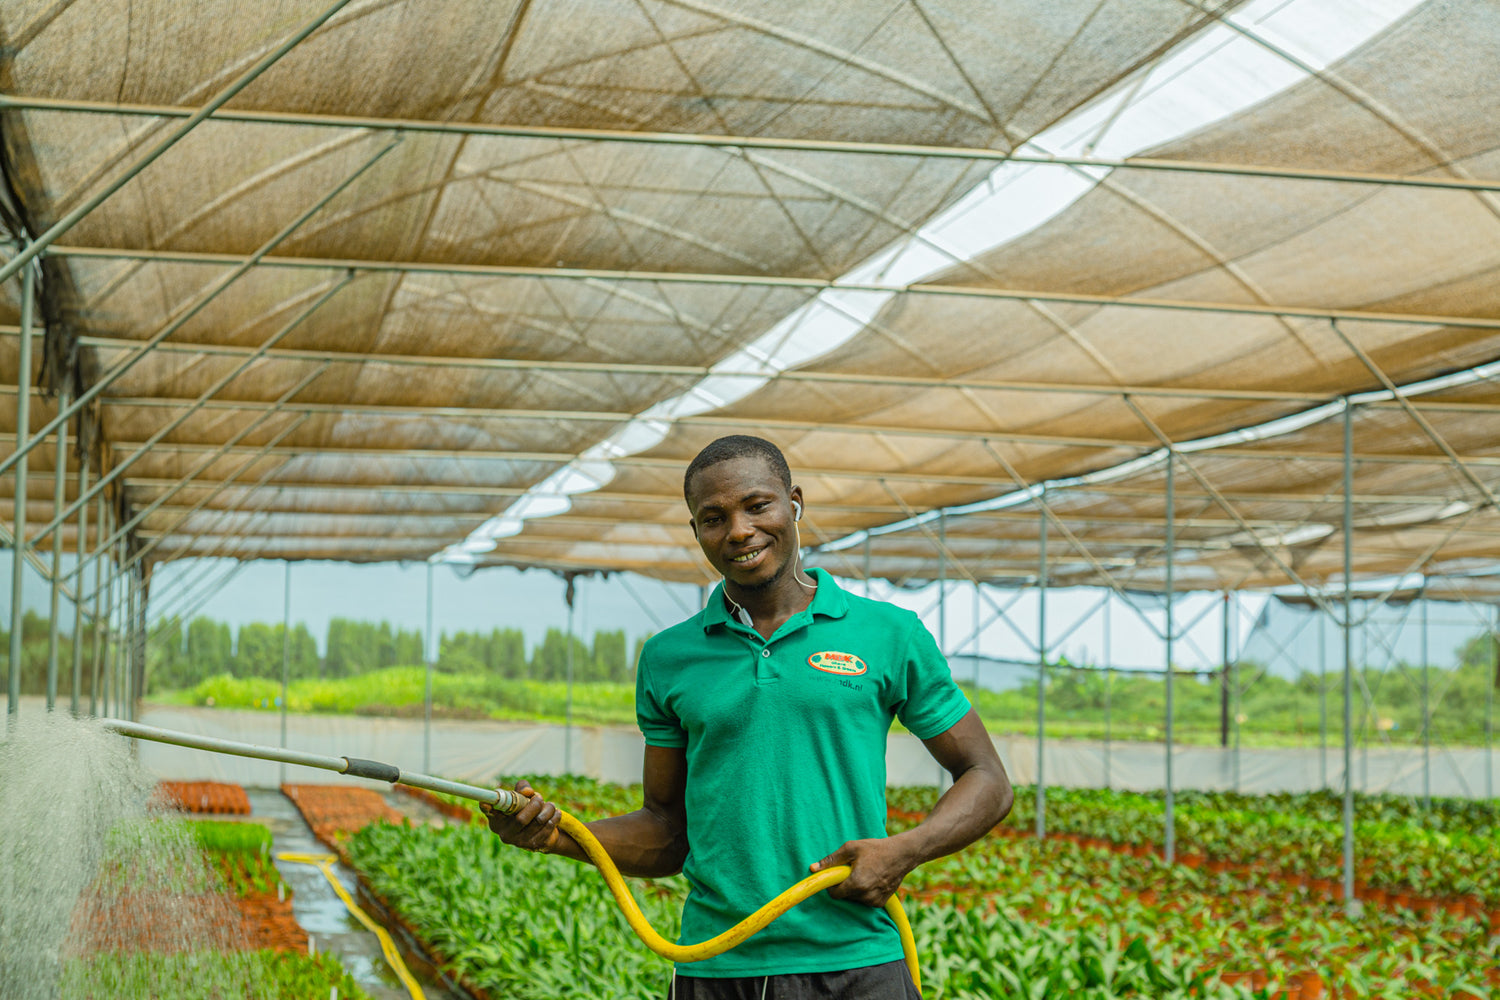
<point x="1160" y="298"/>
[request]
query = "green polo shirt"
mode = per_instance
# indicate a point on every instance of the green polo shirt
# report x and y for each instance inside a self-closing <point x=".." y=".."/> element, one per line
<point x="785" y="744"/>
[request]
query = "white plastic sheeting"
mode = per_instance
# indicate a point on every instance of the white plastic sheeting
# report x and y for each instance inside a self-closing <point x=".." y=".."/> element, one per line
<point x="476" y="753"/>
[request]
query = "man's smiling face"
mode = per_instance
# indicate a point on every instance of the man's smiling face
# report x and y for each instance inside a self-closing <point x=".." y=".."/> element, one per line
<point x="742" y="518"/>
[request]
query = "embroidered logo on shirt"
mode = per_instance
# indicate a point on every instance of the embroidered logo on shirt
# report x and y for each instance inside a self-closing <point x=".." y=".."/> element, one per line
<point x="846" y="664"/>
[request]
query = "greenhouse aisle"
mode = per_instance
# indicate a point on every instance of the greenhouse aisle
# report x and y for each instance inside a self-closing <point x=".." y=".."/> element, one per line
<point x="329" y="926"/>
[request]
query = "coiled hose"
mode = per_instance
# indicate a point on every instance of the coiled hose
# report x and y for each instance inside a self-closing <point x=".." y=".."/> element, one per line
<point x="741" y="931"/>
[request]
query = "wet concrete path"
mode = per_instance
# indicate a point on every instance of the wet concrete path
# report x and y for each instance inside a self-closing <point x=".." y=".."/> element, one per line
<point x="320" y="911"/>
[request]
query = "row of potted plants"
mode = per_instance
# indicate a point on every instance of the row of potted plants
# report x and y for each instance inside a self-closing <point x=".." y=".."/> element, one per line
<point x="1413" y="858"/>
<point x="1077" y="913"/>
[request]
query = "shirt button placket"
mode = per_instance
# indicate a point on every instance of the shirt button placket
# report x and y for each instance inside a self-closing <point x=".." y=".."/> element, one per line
<point x="763" y="668"/>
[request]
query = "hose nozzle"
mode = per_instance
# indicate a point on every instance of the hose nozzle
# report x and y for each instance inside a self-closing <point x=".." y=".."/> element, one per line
<point x="508" y="801"/>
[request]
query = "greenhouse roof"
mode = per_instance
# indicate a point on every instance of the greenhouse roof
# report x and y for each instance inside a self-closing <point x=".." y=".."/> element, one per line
<point x="472" y="281"/>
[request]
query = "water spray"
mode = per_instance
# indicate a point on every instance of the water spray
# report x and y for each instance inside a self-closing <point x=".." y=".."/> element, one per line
<point x="507" y="801"/>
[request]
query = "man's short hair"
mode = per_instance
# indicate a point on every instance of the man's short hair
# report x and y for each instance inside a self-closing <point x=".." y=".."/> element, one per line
<point x="732" y="447"/>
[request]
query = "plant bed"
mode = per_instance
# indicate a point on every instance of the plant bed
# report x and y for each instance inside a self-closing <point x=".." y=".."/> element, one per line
<point x="274" y="975"/>
<point x="509" y="924"/>
<point x="1082" y="913"/>
<point x="334" y="812"/>
<point x="206" y="917"/>
<point x="211" y="797"/>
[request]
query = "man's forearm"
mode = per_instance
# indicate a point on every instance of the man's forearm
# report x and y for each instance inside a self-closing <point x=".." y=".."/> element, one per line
<point x="641" y="843"/>
<point x="979" y="798"/>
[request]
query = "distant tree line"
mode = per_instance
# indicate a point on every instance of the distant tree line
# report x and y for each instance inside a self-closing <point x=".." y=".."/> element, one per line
<point x="180" y="655"/>
<point x="182" y="658"/>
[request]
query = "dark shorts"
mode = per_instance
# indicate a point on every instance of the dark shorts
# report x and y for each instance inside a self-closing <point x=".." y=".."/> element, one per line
<point x="889" y="981"/>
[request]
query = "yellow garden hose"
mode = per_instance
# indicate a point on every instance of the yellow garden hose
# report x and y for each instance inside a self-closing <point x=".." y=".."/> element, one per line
<point x="741" y="931"/>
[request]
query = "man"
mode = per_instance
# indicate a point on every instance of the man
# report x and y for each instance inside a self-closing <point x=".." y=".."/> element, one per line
<point x="765" y="717"/>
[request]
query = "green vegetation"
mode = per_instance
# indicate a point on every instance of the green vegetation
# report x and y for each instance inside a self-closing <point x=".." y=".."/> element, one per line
<point x="399" y="691"/>
<point x="1008" y="916"/>
<point x="276" y="975"/>
<point x="1444" y="851"/>
<point x="242" y="851"/>
<point x="34" y="640"/>
<point x="184" y="657"/>
<point x="230" y="837"/>
<point x="373" y="668"/>
<point x="518" y="925"/>
<point x="168" y="855"/>
<point x="1280" y="712"/>
<point x="1087" y="703"/>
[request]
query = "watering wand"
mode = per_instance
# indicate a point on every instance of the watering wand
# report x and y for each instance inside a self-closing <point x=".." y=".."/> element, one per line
<point x="507" y="801"/>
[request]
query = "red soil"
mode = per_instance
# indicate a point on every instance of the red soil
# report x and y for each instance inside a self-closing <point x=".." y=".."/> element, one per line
<point x="204" y="797"/>
<point x="335" y="811"/>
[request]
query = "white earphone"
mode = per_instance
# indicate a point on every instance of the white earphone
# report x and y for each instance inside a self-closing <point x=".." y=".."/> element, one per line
<point x="796" y="511"/>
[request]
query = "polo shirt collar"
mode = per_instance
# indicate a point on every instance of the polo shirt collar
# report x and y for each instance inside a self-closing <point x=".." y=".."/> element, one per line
<point x="830" y="601"/>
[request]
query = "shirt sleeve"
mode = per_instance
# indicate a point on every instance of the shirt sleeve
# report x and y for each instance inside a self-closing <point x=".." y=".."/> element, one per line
<point x="658" y="725"/>
<point x="929" y="702"/>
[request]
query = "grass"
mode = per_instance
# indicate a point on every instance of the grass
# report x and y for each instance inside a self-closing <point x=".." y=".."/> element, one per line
<point x="401" y="690"/>
<point x="220" y="837"/>
<point x="1137" y="715"/>
<point x="272" y="975"/>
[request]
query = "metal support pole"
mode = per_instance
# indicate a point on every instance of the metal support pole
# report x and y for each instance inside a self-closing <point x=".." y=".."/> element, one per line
<point x="78" y="598"/>
<point x="122" y="642"/>
<point x="1170" y="845"/>
<point x="133" y="665"/>
<point x="1366" y="703"/>
<point x="977" y="630"/>
<point x="1224" y="677"/>
<point x="217" y="101"/>
<point x="101" y="621"/>
<point x="125" y="696"/>
<point x="568" y="727"/>
<point x="431" y="645"/>
<point x="1109" y="688"/>
<point x="139" y="643"/>
<point x="106" y="659"/>
<point x="943" y="582"/>
<point x="117" y="634"/>
<point x="1347" y="625"/>
<point x="1322" y="700"/>
<point x="18" y="561"/>
<point x="867" y="565"/>
<point x="1489" y="721"/>
<point x="1236" y="693"/>
<point x="1041" y="672"/>
<point x="1426" y="713"/>
<point x="59" y="497"/>
<point x="286" y="652"/>
<point x="942" y="773"/>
